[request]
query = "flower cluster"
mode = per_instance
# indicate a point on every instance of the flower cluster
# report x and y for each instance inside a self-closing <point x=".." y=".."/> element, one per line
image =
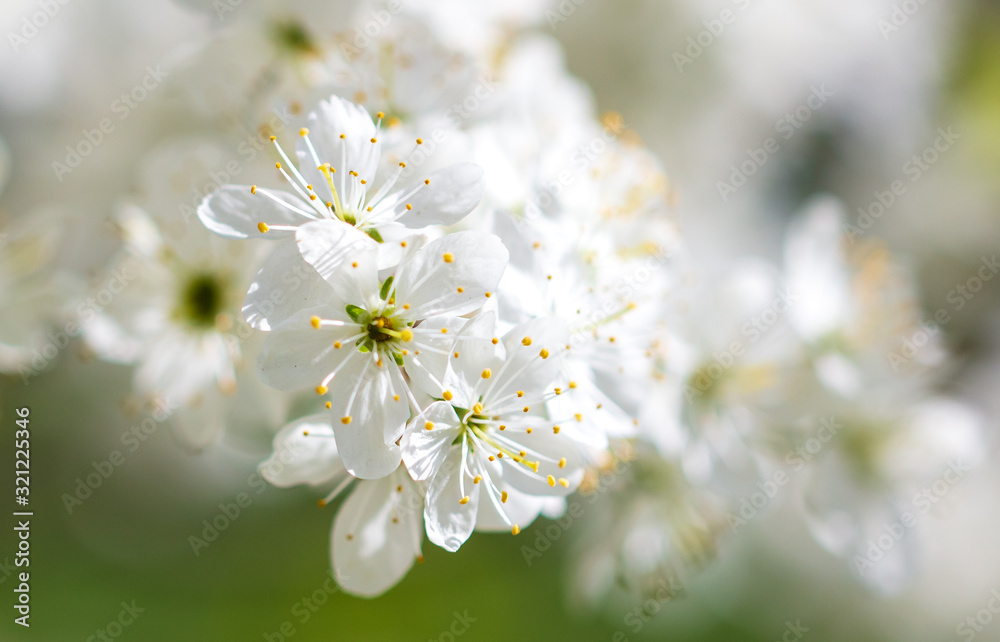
<point x="431" y="379"/>
<point x="465" y="295"/>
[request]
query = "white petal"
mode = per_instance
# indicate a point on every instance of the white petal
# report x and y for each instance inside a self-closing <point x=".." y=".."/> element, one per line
<point x="285" y="284"/>
<point x="297" y="356"/>
<point x="234" y="212"/>
<point x="328" y="243"/>
<point x="374" y="413"/>
<point x="452" y="274"/>
<point x="433" y="362"/>
<point x="453" y="192"/>
<point x="376" y="535"/>
<point x="817" y="269"/>
<point x="299" y="458"/>
<point x="449" y="522"/>
<point x="525" y="368"/>
<point x="355" y="280"/>
<point x="424" y="450"/>
<point x="333" y="118"/>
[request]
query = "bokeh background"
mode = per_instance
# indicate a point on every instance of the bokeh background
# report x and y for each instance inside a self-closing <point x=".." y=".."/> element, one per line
<point x="891" y="90"/>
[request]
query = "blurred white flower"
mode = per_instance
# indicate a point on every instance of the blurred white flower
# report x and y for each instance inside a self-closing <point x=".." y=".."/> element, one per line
<point x="177" y="320"/>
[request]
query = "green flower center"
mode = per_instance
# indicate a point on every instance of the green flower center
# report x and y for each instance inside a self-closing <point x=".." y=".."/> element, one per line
<point x="202" y="299"/>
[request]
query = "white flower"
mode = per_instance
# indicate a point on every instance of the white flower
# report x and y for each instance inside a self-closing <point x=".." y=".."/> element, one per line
<point x="855" y="304"/>
<point x="377" y="532"/>
<point x="718" y="370"/>
<point x="870" y="473"/>
<point x="356" y="340"/>
<point x="335" y="186"/>
<point x="174" y="318"/>
<point x="488" y="435"/>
